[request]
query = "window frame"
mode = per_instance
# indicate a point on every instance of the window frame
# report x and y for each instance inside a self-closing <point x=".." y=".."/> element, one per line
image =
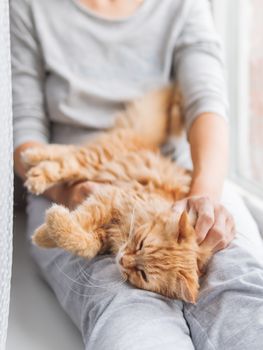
<point x="232" y="20"/>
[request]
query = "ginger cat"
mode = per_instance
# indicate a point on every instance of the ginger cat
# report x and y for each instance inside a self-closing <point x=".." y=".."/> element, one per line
<point x="132" y="216"/>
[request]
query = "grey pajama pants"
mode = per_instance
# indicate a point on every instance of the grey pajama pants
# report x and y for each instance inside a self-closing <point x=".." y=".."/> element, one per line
<point x="115" y="316"/>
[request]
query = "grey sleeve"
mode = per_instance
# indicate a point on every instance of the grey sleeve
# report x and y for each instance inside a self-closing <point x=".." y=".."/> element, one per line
<point x="28" y="75"/>
<point x="199" y="64"/>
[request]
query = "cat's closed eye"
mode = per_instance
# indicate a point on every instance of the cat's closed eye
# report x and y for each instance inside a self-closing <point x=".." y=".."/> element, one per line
<point x="140" y="246"/>
<point x="143" y="274"/>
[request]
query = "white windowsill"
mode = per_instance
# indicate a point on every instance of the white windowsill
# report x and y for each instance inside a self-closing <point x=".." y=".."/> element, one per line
<point x="254" y="203"/>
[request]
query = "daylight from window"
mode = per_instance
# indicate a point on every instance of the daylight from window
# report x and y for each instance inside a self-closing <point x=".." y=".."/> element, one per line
<point x="256" y="91"/>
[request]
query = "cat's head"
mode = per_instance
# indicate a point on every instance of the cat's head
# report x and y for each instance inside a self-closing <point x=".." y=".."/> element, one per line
<point x="161" y="256"/>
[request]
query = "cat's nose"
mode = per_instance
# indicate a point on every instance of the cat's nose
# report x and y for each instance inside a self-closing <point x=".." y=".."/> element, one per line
<point x="127" y="261"/>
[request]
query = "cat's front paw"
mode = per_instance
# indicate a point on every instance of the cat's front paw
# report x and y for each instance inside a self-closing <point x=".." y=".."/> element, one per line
<point x="36" y="181"/>
<point x="32" y="156"/>
<point x="42" y="177"/>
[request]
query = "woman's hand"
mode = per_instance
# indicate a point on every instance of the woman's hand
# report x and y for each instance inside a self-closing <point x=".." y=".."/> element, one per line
<point x="214" y="225"/>
<point x="208" y="138"/>
<point x="71" y="196"/>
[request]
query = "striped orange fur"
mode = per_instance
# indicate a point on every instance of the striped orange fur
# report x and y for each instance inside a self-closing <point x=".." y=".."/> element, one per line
<point x="132" y="216"/>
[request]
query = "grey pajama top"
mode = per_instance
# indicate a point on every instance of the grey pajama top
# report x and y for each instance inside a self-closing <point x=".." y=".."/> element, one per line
<point x="72" y="69"/>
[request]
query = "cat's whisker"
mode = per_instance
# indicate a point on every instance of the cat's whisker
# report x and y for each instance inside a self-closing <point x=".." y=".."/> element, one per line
<point x="95" y="294"/>
<point x="100" y="293"/>
<point x="72" y="279"/>
<point x="123" y="236"/>
<point x="92" y="285"/>
<point x="99" y="287"/>
<point x="132" y="222"/>
<point x="86" y="275"/>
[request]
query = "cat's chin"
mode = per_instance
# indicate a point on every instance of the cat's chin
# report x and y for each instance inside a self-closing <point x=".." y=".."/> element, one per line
<point x="124" y="275"/>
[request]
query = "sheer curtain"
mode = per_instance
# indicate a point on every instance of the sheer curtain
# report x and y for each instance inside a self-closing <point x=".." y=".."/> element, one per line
<point x="6" y="170"/>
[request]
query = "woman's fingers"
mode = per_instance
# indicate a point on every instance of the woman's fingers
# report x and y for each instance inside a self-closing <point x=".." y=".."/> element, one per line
<point x="222" y="232"/>
<point x="214" y="225"/>
<point x="204" y="209"/>
<point x="216" y="235"/>
<point x="201" y="212"/>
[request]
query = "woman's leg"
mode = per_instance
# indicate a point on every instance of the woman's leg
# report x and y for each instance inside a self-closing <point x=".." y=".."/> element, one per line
<point x="110" y="314"/>
<point x="229" y="313"/>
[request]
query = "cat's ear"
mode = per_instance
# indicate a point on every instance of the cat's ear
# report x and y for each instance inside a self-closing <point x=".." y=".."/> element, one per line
<point x="185" y="229"/>
<point x="188" y="287"/>
<point x="42" y="238"/>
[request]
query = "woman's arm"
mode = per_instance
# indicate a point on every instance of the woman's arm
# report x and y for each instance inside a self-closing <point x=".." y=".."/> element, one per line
<point x="208" y="139"/>
<point x="31" y="124"/>
<point x="30" y="119"/>
<point x="199" y="67"/>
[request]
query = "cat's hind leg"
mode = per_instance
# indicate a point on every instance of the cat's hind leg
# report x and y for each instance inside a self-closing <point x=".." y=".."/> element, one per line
<point x="82" y="231"/>
<point x="62" y="230"/>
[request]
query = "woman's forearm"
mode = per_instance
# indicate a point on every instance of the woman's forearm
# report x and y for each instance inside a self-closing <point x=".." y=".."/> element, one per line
<point x="214" y="225"/>
<point x="208" y="138"/>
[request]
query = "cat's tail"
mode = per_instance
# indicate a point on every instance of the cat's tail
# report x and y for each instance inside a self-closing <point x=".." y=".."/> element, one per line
<point x="154" y="116"/>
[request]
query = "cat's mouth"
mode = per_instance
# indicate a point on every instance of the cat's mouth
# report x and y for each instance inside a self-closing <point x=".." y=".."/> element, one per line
<point x="118" y="259"/>
<point x="125" y="273"/>
<point x="119" y="256"/>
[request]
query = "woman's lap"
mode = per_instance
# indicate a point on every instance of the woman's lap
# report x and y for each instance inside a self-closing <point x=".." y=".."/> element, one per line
<point x="110" y="314"/>
<point x="106" y="311"/>
<point x="229" y="312"/>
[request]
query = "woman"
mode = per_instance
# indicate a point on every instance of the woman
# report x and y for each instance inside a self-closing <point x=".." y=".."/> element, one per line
<point x="75" y="62"/>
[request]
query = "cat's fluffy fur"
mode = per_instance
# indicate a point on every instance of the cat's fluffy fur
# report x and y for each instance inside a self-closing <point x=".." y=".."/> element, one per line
<point x="132" y="216"/>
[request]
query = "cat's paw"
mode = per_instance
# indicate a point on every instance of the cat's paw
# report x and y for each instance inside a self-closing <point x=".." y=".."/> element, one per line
<point x="42" y="177"/>
<point x="36" y="182"/>
<point x="33" y="156"/>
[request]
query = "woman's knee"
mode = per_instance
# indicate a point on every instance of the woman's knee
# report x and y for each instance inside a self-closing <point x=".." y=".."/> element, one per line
<point x="133" y="319"/>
